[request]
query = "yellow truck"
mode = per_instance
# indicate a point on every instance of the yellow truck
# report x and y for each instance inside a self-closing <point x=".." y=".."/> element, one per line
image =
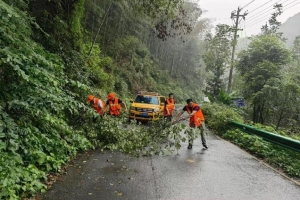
<point x="147" y="106"/>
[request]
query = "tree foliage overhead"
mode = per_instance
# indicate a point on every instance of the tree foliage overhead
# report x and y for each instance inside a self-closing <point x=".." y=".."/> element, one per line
<point x="161" y="49"/>
<point x="216" y="58"/>
<point x="260" y="63"/>
<point x="272" y="26"/>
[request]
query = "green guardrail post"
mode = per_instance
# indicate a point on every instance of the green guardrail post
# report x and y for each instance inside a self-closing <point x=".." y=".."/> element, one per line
<point x="274" y="138"/>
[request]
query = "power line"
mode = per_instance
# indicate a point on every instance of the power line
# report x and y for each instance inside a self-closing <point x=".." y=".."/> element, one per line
<point x="257" y="14"/>
<point x="267" y="15"/>
<point x="253" y="20"/>
<point x="90" y="51"/>
<point x="257" y="22"/>
<point x="260" y="6"/>
<point x="247" y="4"/>
<point x="291" y="6"/>
<point x="291" y="3"/>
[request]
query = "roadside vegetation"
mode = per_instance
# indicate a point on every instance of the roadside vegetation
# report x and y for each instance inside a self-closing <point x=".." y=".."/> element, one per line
<point x="54" y="53"/>
<point x="267" y="79"/>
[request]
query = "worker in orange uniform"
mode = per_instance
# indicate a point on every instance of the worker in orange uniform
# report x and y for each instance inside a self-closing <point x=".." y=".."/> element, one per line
<point x="196" y="119"/>
<point x="169" y="107"/>
<point x="114" y="104"/>
<point x="97" y="104"/>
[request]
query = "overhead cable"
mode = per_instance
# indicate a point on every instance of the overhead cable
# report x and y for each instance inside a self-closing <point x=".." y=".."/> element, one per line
<point x="258" y="14"/>
<point x="260" y="6"/>
<point x="247" y="4"/>
<point x="267" y="17"/>
<point x="255" y="19"/>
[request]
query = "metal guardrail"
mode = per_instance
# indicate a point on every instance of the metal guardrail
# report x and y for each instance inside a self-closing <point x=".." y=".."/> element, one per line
<point x="274" y="138"/>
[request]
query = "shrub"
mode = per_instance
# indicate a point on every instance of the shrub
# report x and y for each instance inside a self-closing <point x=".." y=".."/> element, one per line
<point x="218" y="116"/>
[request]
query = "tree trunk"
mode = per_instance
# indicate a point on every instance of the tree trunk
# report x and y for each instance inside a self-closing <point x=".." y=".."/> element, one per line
<point x="279" y="120"/>
<point x="157" y="49"/>
<point x="254" y="118"/>
<point x="161" y="52"/>
<point x="120" y="23"/>
<point x="93" y="24"/>
<point x="172" y="66"/>
<point x="131" y="60"/>
<point x="261" y="117"/>
<point x="105" y="30"/>
<point x="149" y="42"/>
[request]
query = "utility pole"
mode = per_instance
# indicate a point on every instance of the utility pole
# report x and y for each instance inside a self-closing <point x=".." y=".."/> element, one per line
<point x="235" y="15"/>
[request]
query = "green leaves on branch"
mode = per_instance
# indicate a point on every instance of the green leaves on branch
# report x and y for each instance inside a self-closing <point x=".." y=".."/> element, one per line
<point x="139" y="140"/>
<point x="218" y="116"/>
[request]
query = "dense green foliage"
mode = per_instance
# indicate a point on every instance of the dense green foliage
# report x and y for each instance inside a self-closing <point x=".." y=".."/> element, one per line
<point x="268" y="78"/>
<point x="149" y="54"/>
<point x="268" y="74"/>
<point x="50" y="63"/>
<point x="259" y="67"/>
<point x="37" y="109"/>
<point x="218" y="116"/>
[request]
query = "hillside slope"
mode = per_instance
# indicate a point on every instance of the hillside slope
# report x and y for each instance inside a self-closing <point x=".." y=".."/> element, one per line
<point x="291" y="29"/>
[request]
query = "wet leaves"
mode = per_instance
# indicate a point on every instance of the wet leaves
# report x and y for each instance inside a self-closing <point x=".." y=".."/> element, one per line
<point x="190" y="160"/>
<point x="118" y="193"/>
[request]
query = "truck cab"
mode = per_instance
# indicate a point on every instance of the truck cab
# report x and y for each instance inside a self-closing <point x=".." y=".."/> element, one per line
<point x="147" y="106"/>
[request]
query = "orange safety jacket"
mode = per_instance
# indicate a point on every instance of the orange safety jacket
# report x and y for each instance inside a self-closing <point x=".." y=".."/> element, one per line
<point x="114" y="107"/>
<point x="96" y="106"/>
<point x="170" y="106"/>
<point x="197" y="118"/>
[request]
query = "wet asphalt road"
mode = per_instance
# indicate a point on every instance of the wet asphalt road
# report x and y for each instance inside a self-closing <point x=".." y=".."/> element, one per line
<point x="222" y="172"/>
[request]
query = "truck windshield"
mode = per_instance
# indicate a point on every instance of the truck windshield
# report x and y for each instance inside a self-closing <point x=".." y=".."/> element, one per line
<point x="146" y="99"/>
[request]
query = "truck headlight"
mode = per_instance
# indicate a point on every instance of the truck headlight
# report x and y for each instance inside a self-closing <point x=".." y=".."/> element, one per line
<point x="156" y="109"/>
